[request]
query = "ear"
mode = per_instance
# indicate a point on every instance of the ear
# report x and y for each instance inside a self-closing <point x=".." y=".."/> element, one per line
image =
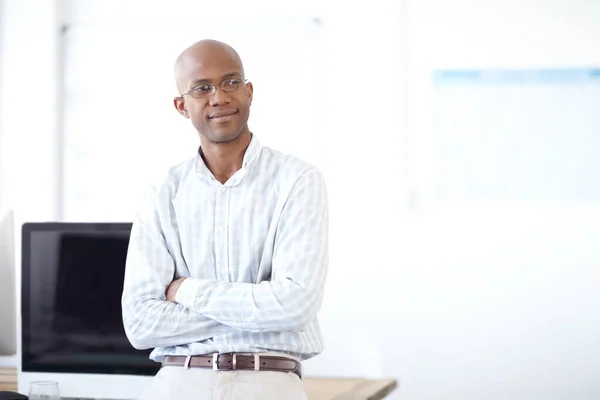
<point x="250" y="91"/>
<point x="179" y="104"/>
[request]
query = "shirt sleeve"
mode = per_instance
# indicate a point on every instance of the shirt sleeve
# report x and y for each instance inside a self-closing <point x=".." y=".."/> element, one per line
<point x="293" y="296"/>
<point x="149" y="319"/>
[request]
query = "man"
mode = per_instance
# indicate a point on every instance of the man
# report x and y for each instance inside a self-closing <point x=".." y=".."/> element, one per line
<point x="228" y="255"/>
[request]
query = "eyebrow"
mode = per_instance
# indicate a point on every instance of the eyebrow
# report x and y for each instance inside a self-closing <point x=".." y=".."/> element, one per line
<point x="229" y="75"/>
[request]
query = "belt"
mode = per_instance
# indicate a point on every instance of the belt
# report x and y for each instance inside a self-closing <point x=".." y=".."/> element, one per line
<point x="234" y="362"/>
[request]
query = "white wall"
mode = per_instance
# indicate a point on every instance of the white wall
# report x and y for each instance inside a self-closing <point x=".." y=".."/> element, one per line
<point x="456" y="303"/>
<point x="494" y="301"/>
<point x="29" y="99"/>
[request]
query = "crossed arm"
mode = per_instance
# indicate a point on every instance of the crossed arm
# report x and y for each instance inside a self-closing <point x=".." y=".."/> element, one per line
<point x="149" y="319"/>
<point x="159" y="312"/>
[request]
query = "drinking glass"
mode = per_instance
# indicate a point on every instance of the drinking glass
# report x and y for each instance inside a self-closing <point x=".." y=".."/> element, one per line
<point x="46" y="390"/>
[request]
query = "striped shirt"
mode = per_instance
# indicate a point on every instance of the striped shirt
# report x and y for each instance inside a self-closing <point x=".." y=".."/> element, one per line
<point x="255" y="251"/>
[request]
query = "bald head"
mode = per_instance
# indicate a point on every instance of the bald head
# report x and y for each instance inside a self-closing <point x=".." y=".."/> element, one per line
<point x="202" y="56"/>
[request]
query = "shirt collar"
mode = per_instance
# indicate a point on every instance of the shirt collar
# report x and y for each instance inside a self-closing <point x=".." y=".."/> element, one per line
<point x="252" y="152"/>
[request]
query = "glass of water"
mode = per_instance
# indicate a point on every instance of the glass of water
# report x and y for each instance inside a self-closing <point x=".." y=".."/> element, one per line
<point x="46" y="390"/>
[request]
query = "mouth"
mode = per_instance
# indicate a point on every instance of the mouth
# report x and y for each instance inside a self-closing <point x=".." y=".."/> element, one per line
<point x="223" y="116"/>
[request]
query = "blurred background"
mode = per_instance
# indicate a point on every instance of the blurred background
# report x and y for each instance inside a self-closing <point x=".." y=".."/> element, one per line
<point x="460" y="141"/>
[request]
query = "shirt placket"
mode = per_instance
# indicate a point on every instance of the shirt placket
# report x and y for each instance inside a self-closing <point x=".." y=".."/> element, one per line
<point x="222" y="234"/>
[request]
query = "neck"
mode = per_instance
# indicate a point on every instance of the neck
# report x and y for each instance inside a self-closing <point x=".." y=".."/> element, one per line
<point x="225" y="159"/>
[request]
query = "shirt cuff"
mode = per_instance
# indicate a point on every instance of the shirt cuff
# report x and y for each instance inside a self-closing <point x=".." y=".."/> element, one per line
<point x="186" y="294"/>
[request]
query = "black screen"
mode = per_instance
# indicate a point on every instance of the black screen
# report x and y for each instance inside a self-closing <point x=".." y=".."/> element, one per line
<point x="72" y="283"/>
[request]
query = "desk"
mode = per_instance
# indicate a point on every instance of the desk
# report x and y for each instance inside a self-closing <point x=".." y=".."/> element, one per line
<point x="348" y="389"/>
<point x="8" y="379"/>
<point x="316" y="388"/>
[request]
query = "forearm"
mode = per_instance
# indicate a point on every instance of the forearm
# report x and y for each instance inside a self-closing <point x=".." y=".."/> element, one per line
<point x="153" y="323"/>
<point x="268" y="306"/>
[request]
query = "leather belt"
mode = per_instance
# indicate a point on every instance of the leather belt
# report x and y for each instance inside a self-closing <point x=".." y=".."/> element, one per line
<point x="234" y="361"/>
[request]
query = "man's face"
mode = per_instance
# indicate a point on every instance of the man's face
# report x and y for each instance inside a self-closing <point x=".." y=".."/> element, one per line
<point x="221" y="116"/>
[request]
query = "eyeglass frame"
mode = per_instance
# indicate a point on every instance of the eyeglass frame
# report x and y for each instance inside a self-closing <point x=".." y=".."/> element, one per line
<point x="189" y="92"/>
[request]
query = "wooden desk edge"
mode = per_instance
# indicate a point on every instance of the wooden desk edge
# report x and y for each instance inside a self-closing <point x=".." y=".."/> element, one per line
<point x="363" y="388"/>
<point x="8" y="381"/>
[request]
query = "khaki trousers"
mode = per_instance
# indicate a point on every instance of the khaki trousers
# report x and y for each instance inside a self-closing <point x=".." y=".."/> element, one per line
<point x="177" y="383"/>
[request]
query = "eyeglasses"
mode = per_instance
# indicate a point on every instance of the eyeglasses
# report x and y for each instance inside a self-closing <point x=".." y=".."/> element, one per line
<point x="208" y="89"/>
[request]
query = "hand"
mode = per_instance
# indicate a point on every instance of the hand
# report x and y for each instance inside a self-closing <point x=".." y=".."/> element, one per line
<point x="173" y="288"/>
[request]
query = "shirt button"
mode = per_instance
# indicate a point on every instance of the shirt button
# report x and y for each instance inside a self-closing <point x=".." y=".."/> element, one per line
<point x="223" y="189"/>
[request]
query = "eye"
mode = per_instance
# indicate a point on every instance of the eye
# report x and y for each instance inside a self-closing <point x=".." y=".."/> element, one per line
<point x="204" y="89"/>
<point x="232" y="84"/>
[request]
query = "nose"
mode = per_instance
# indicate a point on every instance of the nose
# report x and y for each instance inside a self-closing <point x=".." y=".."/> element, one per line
<point x="219" y="97"/>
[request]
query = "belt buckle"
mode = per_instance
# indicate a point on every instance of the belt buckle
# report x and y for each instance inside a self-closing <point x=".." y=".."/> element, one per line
<point x="217" y="367"/>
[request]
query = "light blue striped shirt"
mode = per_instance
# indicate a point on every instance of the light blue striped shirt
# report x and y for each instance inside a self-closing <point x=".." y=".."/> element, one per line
<point x="255" y="250"/>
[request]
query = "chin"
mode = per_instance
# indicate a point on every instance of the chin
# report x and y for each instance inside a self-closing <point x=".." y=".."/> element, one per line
<point x="223" y="137"/>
